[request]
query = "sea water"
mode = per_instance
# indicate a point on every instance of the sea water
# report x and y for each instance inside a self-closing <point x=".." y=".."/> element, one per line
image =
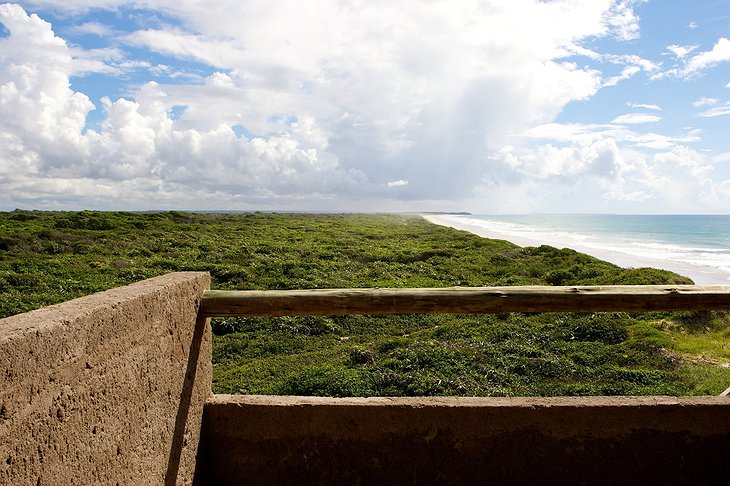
<point x="697" y="246"/>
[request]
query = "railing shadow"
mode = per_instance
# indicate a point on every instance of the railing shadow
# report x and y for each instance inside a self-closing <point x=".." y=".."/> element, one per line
<point x="186" y="395"/>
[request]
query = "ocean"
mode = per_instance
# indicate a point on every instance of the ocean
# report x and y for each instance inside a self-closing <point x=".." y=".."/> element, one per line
<point x="697" y="246"/>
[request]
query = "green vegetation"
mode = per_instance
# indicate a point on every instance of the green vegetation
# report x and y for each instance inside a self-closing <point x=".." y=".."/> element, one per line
<point x="49" y="257"/>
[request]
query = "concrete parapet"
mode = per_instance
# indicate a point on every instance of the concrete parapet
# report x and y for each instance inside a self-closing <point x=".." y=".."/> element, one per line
<point x="112" y="388"/>
<point x="586" y="440"/>
<point x="106" y="389"/>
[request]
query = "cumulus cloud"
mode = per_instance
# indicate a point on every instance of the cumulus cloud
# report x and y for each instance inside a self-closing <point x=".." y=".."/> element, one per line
<point x="624" y="20"/>
<point x="627" y="73"/>
<point x="216" y="52"/>
<point x="691" y="64"/>
<point x="360" y="105"/>
<point x="42" y="122"/>
<point x="38" y="111"/>
<point x="305" y="103"/>
<point x="695" y="65"/>
<point x="610" y="160"/>
<point x="720" y="52"/>
<point x="92" y="28"/>
<point x="634" y="118"/>
<point x="723" y="158"/>
<point x="586" y="161"/>
<point x="646" y="65"/>
<point x="704" y="101"/>
<point x="599" y="158"/>
<point x="680" y="52"/>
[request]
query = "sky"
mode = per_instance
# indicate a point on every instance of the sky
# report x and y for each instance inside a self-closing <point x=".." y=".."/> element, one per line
<point x="487" y="106"/>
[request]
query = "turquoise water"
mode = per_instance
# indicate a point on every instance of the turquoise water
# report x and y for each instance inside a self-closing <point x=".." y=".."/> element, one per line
<point x="696" y="246"/>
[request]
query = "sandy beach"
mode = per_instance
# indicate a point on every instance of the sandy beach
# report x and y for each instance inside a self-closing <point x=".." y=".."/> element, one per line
<point x="701" y="275"/>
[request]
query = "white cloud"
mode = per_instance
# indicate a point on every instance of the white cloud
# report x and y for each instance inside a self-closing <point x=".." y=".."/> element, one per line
<point x="101" y="60"/>
<point x="42" y="122"/>
<point x="38" y="111"/>
<point x="633" y="60"/>
<point x="634" y="118"/>
<point x="685" y="158"/>
<point x="339" y="101"/>
<point x="549" y="161"/>
<point x="633" y="65"/>
<point x="627" y="73"/>
<point x="693" y="66"/>
<point x="663" y="142"/>
<point x="92" y="28"/>
<point x="222" y="53"/>
<point x="77" y="6"/>
<point x="705" y="102"/>
<point x="716" y="111"/>
<point x="341" y="109"/>
<point x="646" y="106"/>
<point x="680" y="52"/>
<point x="720" y="53"/>
<point x="722" y="158"/>
<point x="585" y="134"/>
<point x="670" y="179"/>
<point x="624" y="21"/>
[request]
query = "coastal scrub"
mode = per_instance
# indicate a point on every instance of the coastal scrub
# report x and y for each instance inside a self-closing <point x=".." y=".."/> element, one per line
<point x="49" y="257"/>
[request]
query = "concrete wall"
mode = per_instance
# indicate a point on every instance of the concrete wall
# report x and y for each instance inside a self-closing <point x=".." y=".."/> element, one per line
<point x="106" y="389"/>
<point x="604" y="440"/>
<point x="111" y="389"/>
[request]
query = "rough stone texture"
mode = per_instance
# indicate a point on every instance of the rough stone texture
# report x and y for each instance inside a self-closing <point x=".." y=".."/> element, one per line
<point x="604" y="440"/>
<point x="106" y="389"/>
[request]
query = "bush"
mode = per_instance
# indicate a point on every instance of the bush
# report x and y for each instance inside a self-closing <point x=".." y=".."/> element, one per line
<point x="595" y="328"/>
<point x="559" y="277"/>
<point x="324" y="381"/>
<point x="6" y="244"/>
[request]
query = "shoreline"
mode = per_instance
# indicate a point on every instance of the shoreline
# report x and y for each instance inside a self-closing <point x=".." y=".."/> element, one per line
<point x="701" y="275"/>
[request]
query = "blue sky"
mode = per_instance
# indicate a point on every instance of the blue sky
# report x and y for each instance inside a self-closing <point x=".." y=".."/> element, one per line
<point x="608" y="106"/>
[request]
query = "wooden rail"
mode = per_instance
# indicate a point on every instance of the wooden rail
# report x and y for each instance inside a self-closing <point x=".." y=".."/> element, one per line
<point x="465" y="300"/>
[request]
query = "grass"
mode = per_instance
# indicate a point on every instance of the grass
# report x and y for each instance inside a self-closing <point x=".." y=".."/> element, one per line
<point x="486" y="355"/>
<point x="49" y="257"/>
<point x="705" y="379"/>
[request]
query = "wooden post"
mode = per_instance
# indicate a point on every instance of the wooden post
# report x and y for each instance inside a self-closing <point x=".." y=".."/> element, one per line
<point x="465" y="300"/>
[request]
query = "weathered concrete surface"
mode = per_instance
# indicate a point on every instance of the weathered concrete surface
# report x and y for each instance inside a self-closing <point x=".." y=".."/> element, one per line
<point x="106" y="389"/>
<point x="604" y="440"/>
